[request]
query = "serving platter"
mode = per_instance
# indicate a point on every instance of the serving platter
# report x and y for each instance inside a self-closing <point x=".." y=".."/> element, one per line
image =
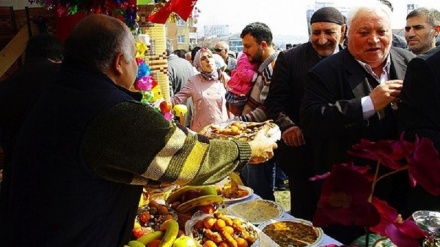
<point x="256" y="211"/>
<point x="199" y="226"/>
<point x="249" y="190"/>
<point x="292" y="232"/>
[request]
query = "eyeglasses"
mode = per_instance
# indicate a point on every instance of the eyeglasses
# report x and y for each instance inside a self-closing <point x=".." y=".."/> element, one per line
<point x="218" y="49"/>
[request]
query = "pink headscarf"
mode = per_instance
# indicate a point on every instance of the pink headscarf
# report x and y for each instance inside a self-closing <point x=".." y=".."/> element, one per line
<point x="214" y="74"/>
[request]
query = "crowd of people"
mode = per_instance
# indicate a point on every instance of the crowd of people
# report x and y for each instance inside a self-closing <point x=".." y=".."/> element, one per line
<point x="83" y="147"/>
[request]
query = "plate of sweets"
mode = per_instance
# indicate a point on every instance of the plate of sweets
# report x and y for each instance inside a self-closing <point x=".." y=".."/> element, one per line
<point x="232" y="192"/>
<point x="245" y="131"/>
<point x="292" y="232"/>
<point x="219" y="229"/>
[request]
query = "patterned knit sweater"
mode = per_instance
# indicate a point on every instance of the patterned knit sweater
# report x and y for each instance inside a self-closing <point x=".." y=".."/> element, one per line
<point x="156" y="150"/>
<point x="83" y="154"/>
<point x="254" y="109"/>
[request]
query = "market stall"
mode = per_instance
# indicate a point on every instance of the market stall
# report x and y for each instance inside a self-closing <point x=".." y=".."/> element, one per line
<point x="203" y="213"/>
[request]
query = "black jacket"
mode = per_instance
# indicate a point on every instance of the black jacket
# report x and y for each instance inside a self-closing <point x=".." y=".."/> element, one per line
<point x="331" y="110"/>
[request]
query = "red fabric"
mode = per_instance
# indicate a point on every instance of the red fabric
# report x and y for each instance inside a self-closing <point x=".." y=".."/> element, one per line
<point x="181" y="7"/>
<point x="161" y="16"/>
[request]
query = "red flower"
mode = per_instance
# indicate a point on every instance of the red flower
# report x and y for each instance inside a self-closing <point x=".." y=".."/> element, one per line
<point x="344" y="199"/>
<point x="403" y="233"/>
<point x="390" y="153"/>
<point x="424" y="167"/>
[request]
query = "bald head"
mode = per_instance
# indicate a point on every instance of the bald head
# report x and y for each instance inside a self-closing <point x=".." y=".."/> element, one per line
<point x="96" y="39"/>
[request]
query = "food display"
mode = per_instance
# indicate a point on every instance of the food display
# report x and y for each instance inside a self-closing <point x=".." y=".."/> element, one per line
<point x="153" y="214"/>
<point x="246" y="131"/>
<point x="256" y="211"/>
<point x="190" y="199"/>
<point x="211" y="230"/>
<point x="292" y="232"/>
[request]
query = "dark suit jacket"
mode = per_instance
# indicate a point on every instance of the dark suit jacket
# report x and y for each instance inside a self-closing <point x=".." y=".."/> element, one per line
<point x="284" y="100"/>
<point x="419" y="114"/>
<point x="420" y="108"/>
<point x="331" y="109"/>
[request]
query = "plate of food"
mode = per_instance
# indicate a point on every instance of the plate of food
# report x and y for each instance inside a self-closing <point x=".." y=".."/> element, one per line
<point x="213" y="229"/>
<point x="232" y="192"/>
<point x="292" y="232"/>
<point x="256" y="211"/>
<point x="238" y="130"/>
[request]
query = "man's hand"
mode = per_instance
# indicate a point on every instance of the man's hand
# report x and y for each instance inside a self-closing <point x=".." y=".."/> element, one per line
<point x="386" y="93"/>
<point x="293" y="137"/>
<point x="262" y="148"/>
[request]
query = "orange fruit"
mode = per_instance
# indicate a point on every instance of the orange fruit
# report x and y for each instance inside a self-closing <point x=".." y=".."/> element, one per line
<point x="229" y="229"/>
<point x="219" y="224"/>
<point x="224" y="244"/>
<point x="241" y="242"/>
<point x="209" y="222"/>
<point x="208" y="243"/>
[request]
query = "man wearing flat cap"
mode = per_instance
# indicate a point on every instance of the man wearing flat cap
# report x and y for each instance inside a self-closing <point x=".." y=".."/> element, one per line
<point x="283" y="104"/>
<point x="354" y="94"/>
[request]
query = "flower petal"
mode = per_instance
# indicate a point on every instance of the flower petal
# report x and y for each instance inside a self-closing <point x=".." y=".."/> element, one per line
<point x="425" y="166"/>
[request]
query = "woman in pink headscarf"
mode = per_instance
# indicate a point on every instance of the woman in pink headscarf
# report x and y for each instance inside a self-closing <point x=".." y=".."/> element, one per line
<point x="207" y="91"/>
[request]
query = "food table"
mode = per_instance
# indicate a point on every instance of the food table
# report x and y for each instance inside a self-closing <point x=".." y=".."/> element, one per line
<point x="326" y="240"/>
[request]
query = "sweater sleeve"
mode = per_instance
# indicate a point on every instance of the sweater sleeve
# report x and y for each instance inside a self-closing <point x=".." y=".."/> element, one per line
<point x="131" y="143"/>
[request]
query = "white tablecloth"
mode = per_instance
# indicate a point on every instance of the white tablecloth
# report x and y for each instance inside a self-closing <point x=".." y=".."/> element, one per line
<point x="268" y="243"/>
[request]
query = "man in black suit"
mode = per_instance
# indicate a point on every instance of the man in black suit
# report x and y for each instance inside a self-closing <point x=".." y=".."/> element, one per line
<point x="284" y="99"/>
<point x="350" y="95"/>
<point x="419" y="114"/>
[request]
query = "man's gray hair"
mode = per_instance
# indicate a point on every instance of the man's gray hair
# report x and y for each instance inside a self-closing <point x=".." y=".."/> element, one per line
<point x="432" y="15"/>
<point x="374" y="6"/>
<point x="112" y="35"/>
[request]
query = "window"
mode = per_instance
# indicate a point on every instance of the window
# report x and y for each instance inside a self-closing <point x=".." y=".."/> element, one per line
<point x="180" y="39"/>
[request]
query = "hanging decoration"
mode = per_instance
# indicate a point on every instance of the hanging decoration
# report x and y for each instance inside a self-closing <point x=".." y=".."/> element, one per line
<point x="124" y="10"/>
<point x="146" y="82"/>
<point x="183" y="8"/>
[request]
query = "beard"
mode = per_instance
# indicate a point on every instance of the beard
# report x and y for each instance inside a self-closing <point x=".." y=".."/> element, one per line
<point x="258" y="57"/>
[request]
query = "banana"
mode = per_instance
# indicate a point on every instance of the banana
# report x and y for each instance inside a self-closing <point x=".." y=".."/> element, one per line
<point x="177" y="195"/>
<point x="199" y="201"/>
<point x="171" y="228"/>
<point x="135" y="243"/>
<point x="147" y="238"/>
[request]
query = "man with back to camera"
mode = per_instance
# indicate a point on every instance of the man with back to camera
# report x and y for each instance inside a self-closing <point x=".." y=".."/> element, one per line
<point x="284" y="99"/>
<point x="20" y="91"/>
<point x="422" y="29"/>
<point x="87" y="148"/>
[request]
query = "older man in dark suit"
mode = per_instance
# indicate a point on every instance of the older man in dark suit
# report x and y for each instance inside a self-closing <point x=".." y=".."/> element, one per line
<point x="283" y="104"/>
<point x="350" y="95"/>
<point x="419" y="114"/>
